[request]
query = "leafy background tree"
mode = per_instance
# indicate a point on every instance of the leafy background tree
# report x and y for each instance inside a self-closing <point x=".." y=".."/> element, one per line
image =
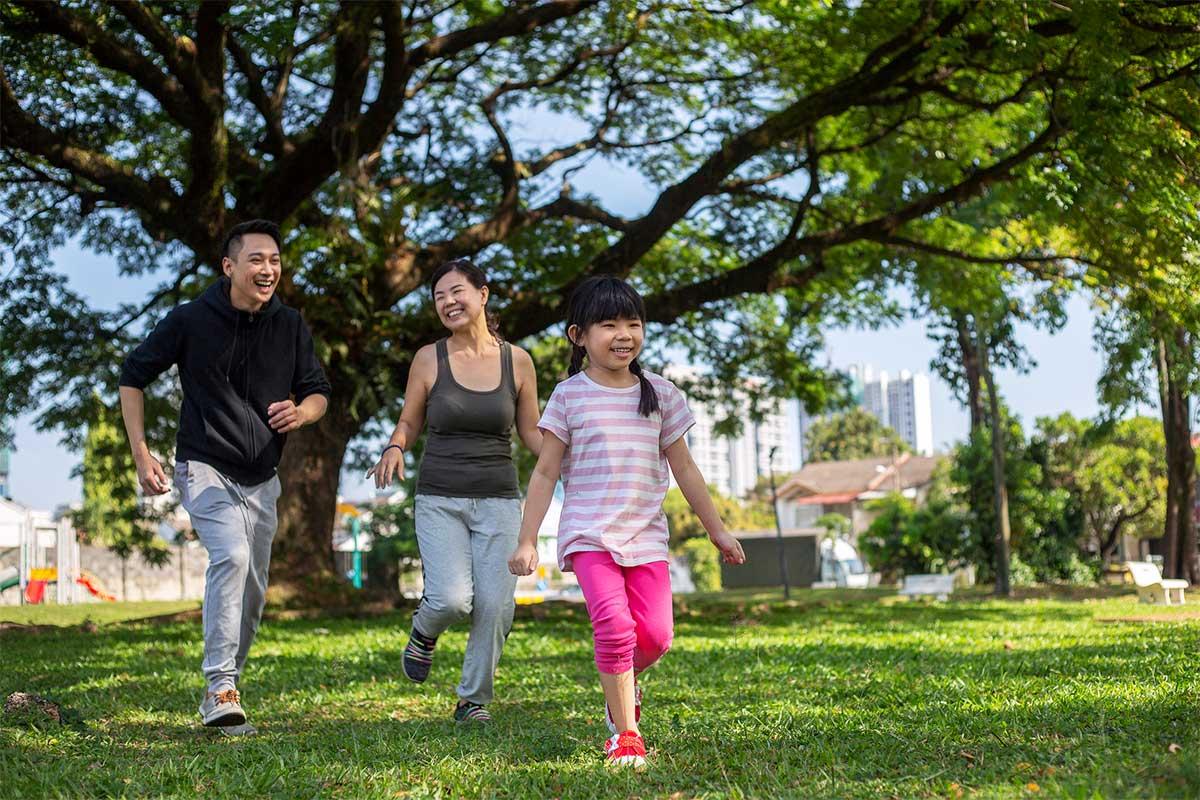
<point x="113" y="513"/>
<point x="851" y="435"/>
<point x="789" y="182"/>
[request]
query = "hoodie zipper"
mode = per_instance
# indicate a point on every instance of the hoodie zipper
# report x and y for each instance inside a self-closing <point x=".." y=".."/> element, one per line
<point x="246" y="397"/>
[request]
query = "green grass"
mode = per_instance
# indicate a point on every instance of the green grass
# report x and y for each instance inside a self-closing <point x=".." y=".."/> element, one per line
<point x="99" y="613"/>
<point x="827" y="696"/>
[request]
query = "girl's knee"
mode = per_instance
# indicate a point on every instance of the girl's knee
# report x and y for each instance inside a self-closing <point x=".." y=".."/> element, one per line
<point x="651" y="646"/>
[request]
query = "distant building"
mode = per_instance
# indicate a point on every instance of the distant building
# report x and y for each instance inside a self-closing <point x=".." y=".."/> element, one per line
<point x="910" y="412"/>
<point x="845" y="487"/>
<point x="903" y="404"/>
<point x="735" y="464"/>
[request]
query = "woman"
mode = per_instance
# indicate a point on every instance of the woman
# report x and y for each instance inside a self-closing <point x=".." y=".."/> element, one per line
<point x="472" y="387"/>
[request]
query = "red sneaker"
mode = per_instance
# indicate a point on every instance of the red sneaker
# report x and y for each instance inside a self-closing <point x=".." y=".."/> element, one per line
<point x="637" y="710"/>
<point x="626" y="749"/>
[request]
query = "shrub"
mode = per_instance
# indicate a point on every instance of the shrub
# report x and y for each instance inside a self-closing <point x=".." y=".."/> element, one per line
<point x="704" y="562"/>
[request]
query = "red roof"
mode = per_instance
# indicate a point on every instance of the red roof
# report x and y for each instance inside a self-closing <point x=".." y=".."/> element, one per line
<point x="826" y="499"/>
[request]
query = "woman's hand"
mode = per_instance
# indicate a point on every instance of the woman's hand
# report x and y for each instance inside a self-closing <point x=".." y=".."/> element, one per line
<point x="524" y="560"/>
<point x="391" y="464"/>
<point x="731" y="548"/>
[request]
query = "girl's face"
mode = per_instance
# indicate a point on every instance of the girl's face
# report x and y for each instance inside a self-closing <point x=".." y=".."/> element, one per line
<point x="459" y="304"/>
<point x="611" y="344"/>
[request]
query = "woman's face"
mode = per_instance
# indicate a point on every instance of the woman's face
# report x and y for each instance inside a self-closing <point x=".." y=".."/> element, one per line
<point x="459" y="304"/>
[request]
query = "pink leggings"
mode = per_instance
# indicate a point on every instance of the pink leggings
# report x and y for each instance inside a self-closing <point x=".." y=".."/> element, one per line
<point x="630" y="608"/>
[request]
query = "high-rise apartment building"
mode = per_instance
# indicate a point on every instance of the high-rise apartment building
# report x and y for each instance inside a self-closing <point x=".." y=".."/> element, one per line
<point x="903" y="403"/>
<point x="734" y="464"/>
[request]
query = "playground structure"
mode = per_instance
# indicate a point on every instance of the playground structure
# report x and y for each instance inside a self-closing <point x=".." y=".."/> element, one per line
<point x="46" y="550"/>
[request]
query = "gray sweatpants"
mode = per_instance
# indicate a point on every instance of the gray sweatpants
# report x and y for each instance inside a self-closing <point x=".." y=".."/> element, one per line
<point x="236" y="524"/>
<point x="465" y="543"/>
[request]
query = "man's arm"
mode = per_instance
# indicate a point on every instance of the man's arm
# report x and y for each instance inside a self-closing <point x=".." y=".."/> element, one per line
<point x="150" y="473"/>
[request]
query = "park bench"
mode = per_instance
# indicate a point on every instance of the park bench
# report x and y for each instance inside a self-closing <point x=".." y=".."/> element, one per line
<point x="939" y="586"/>
<point x="1152" y="587"/>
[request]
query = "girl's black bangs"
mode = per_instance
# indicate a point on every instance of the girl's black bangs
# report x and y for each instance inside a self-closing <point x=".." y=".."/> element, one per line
<point x="613" y="300"/>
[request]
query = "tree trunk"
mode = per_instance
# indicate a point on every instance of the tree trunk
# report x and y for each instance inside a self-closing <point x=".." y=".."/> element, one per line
<point x="1003" y="534"/>
<point x="1179" y="534"/>
<point x="310" y="471"/>
<point x="124" y="590"/>
<point x="971" y="371"/>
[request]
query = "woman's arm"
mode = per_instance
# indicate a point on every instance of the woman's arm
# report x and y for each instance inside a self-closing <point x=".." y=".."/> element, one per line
<point x="527" y="401"/>
<point x="691" y="483"/>
<point x="421" y="375"/>
<point x="537" y="502"/>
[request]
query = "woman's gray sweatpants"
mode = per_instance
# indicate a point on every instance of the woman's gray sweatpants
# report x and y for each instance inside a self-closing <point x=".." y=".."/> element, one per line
<point x="236" y="524"/>
<point x="465" y="543"/>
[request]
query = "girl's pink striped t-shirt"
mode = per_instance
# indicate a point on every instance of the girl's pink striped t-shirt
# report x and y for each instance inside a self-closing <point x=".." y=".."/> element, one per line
<point x="615" y="473"/>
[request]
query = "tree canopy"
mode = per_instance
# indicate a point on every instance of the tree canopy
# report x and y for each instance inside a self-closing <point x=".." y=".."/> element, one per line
<point x="798" y="156"/>
<point x="850" y="435"/>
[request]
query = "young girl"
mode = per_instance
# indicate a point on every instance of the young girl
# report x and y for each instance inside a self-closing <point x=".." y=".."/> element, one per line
<point x="615" y="428"/>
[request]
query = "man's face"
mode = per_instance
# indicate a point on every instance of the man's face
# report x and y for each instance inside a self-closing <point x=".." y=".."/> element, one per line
<point x="253" y="272"/>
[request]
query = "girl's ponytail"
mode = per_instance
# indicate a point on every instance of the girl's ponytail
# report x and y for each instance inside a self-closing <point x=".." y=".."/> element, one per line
<point x="648" y="403"/>
<point x="577" y="354"/>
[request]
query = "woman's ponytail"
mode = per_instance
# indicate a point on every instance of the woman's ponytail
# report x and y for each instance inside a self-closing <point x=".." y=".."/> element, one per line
<point x="648" y="403"/>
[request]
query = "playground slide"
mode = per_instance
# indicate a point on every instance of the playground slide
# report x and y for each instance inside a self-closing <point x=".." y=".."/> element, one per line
<point x="39" y="579"/>
<point x="90" y="582"/>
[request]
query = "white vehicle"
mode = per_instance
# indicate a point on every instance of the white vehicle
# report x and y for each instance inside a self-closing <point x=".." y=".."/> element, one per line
<point x="841" y="565"/>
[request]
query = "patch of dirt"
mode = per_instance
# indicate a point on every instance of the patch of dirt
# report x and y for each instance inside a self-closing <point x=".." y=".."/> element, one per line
<point x="1182" y="616"/>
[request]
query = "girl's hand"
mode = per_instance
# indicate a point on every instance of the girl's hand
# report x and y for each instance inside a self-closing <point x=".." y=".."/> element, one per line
<point x="731" y="548"/>
<point x="524" y="560"/>
<point x="391" y="464"/>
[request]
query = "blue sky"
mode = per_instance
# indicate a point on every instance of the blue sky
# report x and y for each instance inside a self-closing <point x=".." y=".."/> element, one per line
<point x="1064" y="380"/>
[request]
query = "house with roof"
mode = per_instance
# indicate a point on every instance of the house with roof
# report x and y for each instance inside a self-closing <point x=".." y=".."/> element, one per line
<point x="846" y="487"/>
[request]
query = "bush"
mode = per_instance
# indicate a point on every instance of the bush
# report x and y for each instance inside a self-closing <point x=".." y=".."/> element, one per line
<point x="703" y="561"/>
<point x="905" y="540"/>
<point x="1020" y="573"/>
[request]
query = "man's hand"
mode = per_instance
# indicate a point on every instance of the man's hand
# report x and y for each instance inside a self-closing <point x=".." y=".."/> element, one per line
<point x="151" y="476"/>
<point x="285" y="416"/>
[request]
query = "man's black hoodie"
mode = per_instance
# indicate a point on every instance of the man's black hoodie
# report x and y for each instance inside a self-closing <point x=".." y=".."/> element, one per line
<point x="232" y="366"/>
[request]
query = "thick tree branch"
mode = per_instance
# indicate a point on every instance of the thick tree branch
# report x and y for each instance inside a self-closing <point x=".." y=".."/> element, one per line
<point x="180" y="56"/>
<point x="153" y="198"/>
<point x="345" y="134"/>
<point x="109" y="52"/>
<point x="275" y="142"/>
<point x="674" y="203"/>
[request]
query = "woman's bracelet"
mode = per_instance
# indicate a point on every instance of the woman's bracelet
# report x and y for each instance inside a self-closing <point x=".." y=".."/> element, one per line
<point x="389" y="447"/>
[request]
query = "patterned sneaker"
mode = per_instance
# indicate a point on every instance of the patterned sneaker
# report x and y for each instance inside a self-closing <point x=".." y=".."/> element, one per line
<point x="626" y="749"/>
<point x="418" y="656"/>
<point x="637" y="710"/>
<point x="222" y="708"/>
<point x="471" y="712"/>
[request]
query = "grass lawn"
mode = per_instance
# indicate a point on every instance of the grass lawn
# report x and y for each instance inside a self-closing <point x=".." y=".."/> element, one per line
<point x="831" y="695"/>
<point x="99" y="613"/>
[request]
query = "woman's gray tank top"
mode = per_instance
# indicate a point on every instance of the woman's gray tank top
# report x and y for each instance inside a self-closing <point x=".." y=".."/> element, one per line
<point x="468" y="452"/>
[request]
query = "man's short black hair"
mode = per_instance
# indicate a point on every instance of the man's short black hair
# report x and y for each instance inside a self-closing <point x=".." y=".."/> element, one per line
<point x="233" y="239"/>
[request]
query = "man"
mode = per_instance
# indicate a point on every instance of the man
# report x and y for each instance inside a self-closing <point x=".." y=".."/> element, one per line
<point x="249" y="377"/>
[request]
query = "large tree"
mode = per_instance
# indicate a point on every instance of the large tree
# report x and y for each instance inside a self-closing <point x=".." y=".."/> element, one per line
<point x="850" y="435"/>
<point x="780" y="140"/>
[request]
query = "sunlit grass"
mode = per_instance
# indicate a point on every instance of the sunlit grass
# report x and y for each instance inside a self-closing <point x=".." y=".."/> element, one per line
<point x="831" y="695"/>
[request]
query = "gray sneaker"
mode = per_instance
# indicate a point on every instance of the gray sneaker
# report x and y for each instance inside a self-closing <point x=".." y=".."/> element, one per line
<point x="222" y="709"/>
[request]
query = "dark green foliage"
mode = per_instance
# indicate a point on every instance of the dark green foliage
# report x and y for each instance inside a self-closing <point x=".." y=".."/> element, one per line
<point x="851" y="435"/>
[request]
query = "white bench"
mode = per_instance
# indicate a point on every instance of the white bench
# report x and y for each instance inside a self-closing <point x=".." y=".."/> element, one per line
<point x="1152" y="587"/>
<point x="940" y="586"/>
